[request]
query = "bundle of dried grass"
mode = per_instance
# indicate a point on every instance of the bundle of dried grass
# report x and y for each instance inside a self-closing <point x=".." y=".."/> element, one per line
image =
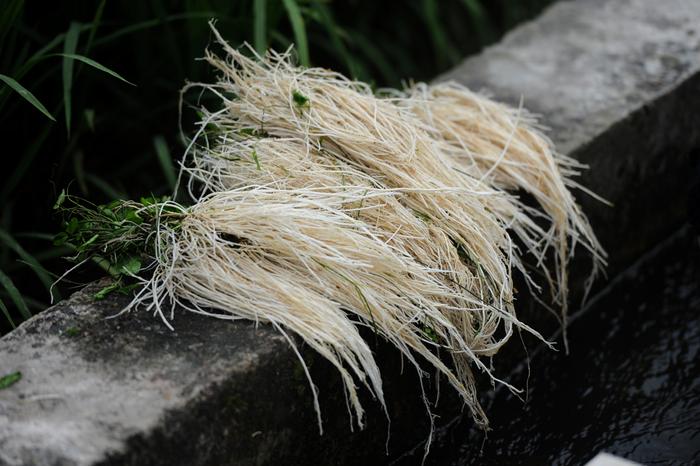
<point x="320" y="207"/>
<point x="503" y="147"/>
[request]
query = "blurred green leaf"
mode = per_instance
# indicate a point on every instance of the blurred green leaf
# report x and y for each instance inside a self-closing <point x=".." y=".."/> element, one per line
<point x="8" y="380"/>
<point x="299" y="29"/>
<point x="90" y="118"/>
<point x="17" y="87"/>
<point x="104" y="292"/>
<point x="8" y="15"/>
<point x="260" y="25"/>
<point x="94" y="64"/>
<point x="40" y="271"/>
<point x="69" y="47"/>
<point x="7" y="315"/>
<point x="15" y="295"/>
<point x="79" y="170"/>
<point x="95" y="24"/>
<point x="105" y="187"/>
<point x="151" y="23"/>
<point x="131" y="266"/>
<point x="479" y="20"/>
<point x="333" y="30"/>
<point x="375" y="56"/>
<point x="300" y="100"/>
<point x="442" y="47"/>
<point x="165" y="160"/>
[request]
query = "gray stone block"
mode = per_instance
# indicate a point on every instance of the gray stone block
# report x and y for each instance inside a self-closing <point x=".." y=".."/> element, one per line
<point x="618" y="83"/>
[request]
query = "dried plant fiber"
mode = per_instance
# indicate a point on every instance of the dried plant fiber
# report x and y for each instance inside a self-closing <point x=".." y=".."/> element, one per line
<point x="321" y="207"/>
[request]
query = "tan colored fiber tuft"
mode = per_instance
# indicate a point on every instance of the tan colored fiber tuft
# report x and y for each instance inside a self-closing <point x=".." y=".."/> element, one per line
<point x="321" y="207"/>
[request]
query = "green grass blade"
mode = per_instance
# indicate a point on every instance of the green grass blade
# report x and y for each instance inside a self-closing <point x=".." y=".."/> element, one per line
<point x="105" y="187"/>
<point x="94" y="25"/>
<point x="326" y="18"/>
<point x="79" y="171"/>
<point x="94" y="64"/>
<point x="28" y="96"/>
<point x="8" y="16"/>
<point x="376" y="57"/>
<point x="479" y="20"/>
<point x="53" y="253"/>
<point x="260" y="25"/>
<point x="90" y="118"/>
<point x="8" y="380"/>
<point x="36" y="235"/>
<point x="165" y="160"/>
<point x="447" y="54"/>
<point x="40" y="271"/>
<point x="24" y="163"/>
<point x="6" y="313"/>
<point x="151" y="23"/>
<point x="297" y="20"/>
<point x="15" y="295"/>
<point x="69" y="46"/>
<point x="37" y="56"/>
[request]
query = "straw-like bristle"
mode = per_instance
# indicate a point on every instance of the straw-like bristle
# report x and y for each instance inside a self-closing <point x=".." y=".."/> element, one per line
<point x="323" y="207"/>
<point x="501" y="146"/>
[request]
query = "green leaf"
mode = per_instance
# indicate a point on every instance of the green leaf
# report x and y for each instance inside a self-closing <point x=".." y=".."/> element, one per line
<point x="94" y="64"/>
<point x="442" y="47"/>
<point x="79" y="170"/>
<point x="40" y="271"/>
<point x="103" y="186"/>
<point x="255" y="158"/>
<point x="375" y="56"/>
<point x="131" y="266"/>
<point x="15" y="295"/>
<point x="60" y="200"/>
<point x="72" y="331"/>
<point x="326" y="18"/>
<point x="259" y="25"/>
<point x="299" y="99"/>
<point x="102" y="294"/>
<point x="4" y="310"/>
<point x="92" y="239"/>
<point x="90" y="118"/>
<point x="95" y="24"/>
<point x="480" y="20"/>
<point x="18" y="88"/>
<point x="299" y="30"/>
<point x="69" y="46"/>
<point x="165" y="160"/>
<point x="8" y="380"/>
<point x="9" y="13"/>
<point x="153" y="23"/>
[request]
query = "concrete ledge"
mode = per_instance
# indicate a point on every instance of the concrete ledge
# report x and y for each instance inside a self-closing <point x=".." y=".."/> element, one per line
<point x="127" y="390"/>
<point x="618" y="81"/>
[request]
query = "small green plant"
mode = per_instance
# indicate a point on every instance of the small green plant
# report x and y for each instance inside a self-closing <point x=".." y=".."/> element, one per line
<point x="72" y="331"/>
<point x="119" y="236"/>
<point x="8" y="380"/>
<point x="300" y="99"/>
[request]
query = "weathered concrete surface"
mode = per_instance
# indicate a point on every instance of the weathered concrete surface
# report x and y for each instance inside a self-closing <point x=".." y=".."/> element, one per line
<point x="129" y="391"/>
<point x="618" y="83"/>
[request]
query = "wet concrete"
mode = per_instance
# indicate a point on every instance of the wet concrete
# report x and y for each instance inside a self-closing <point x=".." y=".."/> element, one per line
<point x="630" y="386"/>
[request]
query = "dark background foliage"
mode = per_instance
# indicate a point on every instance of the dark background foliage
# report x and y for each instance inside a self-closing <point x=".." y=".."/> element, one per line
<point x="114" y="140"/>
